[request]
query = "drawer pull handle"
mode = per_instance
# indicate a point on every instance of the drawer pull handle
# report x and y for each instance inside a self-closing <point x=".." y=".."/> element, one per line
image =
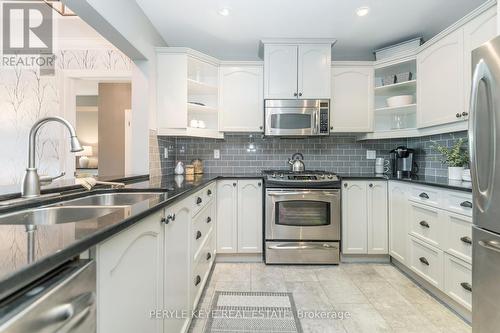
<point x="424" y="195"/>
<point x="209" y="192"/>
<point x="466" y="204"/>
<point x="466" y="286"/>
<point x="198" y="200"/>
<point x="197" y="280"/>
<point x="424" y="224"/>
<point x="198" y="234"/>
<point x="209" y="256"/>
<point x="209" y="219"/>
<point x="424" y="261"/>
<point x="466" y="239"/>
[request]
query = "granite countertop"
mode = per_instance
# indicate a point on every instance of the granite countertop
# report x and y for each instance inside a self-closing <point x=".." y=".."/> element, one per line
<point x="56" y="244"/>
<point x="443" y="182"/>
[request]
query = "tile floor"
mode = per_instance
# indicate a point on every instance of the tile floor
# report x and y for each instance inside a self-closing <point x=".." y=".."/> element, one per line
<point x="378" y="297"/>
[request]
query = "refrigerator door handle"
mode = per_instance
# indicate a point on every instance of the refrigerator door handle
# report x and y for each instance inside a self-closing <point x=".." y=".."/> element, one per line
<point x="482" y="74"/>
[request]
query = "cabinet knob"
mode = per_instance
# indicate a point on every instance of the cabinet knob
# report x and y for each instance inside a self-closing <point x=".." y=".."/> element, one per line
<point x="331" y="128"/>
<point x="458" y="115"/>
<point x="466" y="204"/>
<point x="295" y="94"/>
<point x="209" y="256"/>
<point x="197" y="280"/>
<point x="209" y="219"/>
<point x="261" y="127"/>
<point x="198" y="234"/>
<point x="345" y="184"/>
<point x="371" y="185"/>
<point x="234" y="184"/>
<point x="465" y="114"/>
<point x="424" y="261"/>
<point x="259" y="183"/>
<point x="466" y="286"/>
<point x="466" y="239"/>
<point x="424" y="224"/>
<point x="300" y="94"/>
<point x="209" y="192"/>
<point x="424" y="195"/>
<point x="198" y="200"/>
<point x="168" y="219"/>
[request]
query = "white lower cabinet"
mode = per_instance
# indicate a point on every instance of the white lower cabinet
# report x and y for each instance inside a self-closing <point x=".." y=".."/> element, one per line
<point x="364" y="217"/>
<point x="398" y="214"/>
<point x="239" y="216"/>
<point x="130" y="278"/>
<point x="438" y="240"/>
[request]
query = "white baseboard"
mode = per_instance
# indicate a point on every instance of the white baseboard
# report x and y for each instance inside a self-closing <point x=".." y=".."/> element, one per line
<point x="440" y="296"/>
<point x="368" y="258"/>
<point x="239" y="257"/>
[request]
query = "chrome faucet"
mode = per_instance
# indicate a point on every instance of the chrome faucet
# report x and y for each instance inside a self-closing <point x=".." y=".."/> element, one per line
<point x="31" y="182"/>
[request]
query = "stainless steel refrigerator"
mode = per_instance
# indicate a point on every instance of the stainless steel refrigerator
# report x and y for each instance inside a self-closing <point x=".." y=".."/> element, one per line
<point x="484" y="144"/>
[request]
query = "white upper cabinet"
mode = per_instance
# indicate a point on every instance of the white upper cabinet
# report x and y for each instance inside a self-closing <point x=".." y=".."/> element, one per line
<point x="300" y="70"/>
<point x="476" y="32"/>
<point x="352" y="98"/>
<point x="440" y="90"/>
<point x="241" y="98"/>
<point x="314" y="71"/>
<point x="280" y="71"/>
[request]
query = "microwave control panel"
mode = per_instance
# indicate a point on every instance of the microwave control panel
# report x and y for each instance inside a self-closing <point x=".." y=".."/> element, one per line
<point x="323" y="121"/>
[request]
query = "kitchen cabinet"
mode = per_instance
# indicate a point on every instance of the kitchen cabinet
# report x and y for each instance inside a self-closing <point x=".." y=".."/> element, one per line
<point x="440" y="88"/>
<point x="364" y="217"/>
<point x="476" y="32"/>
<point x="241" y="98"/>
<point x="249" y="216"/>
<point x="130" y="278"/>
<point x="352" y="97"/>
<point x="300" y="70"/>
<point x="239" y="216"/>
<point x="398" y="214"/>
<point x="377" y="217"/>
<point x="176" y="264"/>
<point x="227" y="216"/>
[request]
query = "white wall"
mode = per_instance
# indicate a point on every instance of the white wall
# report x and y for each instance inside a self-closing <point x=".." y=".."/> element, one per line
<point x="123" y="23"/>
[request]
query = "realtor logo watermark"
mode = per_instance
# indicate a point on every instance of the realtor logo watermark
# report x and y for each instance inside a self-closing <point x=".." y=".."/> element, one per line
<point x="27" y="36"/>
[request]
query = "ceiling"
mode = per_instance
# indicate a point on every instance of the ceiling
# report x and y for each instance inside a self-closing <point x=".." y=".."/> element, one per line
<point x="198" y="25"/>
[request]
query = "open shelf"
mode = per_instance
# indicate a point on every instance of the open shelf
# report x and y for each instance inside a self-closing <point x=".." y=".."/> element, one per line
<point x="201" y="88"/>
<point x="392" y="133"/>
<point x="201" y="108"/>
<point x="407" y="87"/>
<point x="192" y="132"/>
<point x="404" y="109"/>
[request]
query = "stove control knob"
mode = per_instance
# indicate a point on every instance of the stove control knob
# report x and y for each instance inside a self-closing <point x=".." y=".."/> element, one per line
<point x="330" y="176"/>
<point x="273" y="175"/>
<point x="281" y="175"/>
<point x="323" y="176"/>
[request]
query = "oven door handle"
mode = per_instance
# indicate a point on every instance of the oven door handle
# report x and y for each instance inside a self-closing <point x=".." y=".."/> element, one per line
<point x="288" y="193"/>
<point x="321" y="246"/>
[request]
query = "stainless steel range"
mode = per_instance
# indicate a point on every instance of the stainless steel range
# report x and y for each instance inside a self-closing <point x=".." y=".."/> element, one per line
<point x="302" y="220"/>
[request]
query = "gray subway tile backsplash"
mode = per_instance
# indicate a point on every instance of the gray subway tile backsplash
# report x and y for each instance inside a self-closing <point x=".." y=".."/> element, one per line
<point x="339" y="153"/>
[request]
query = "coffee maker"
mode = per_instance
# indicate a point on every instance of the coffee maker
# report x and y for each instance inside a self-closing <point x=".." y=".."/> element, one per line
<point x="402" y="162"/>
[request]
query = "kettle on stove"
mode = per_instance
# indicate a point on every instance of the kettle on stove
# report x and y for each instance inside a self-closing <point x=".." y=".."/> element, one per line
<point x="297" y="163"/>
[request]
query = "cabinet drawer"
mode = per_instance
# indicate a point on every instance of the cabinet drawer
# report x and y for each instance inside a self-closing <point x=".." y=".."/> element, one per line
<point x="201" y="227"/>
<point x="201" y="198"/>
<point x="458" y="236"/>
<point x="458" y="280"/>
<point x="426" y="261"/>
<point x="201" y="268"/>
<point x="426" y="195"/>
<point x="425" y="224"/>
<point x="460" y="203"/>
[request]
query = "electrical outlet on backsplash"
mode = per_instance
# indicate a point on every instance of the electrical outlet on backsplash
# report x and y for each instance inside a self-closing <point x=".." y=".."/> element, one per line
<point x="339" y="153"/>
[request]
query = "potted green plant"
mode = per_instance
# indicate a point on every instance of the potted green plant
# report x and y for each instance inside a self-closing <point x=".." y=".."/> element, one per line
<point x="456" y="157"/>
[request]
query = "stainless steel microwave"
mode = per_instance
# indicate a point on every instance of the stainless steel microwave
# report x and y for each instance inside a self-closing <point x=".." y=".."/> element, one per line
<point x="297" y="117"/>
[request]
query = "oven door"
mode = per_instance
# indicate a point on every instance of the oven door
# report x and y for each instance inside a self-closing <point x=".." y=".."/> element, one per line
<point x="302" y="214"/>
<point x="292" y="121"/>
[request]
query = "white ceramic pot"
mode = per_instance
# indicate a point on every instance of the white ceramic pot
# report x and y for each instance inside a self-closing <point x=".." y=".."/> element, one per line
<point x="455" y="173"/>
<point x="401" y="100"/>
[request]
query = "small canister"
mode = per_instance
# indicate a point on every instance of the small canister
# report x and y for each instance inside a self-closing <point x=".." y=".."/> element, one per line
<point x="198" y="166"/>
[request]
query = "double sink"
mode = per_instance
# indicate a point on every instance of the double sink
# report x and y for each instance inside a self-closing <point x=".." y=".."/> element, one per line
<point x="80" y="209"/>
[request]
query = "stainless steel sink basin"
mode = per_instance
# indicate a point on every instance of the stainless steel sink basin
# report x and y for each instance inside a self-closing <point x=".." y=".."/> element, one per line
<point x="55" y="215"/>
<point x="113" y="199"/>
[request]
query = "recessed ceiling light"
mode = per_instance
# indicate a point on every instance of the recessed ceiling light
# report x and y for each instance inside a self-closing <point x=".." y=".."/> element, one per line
<point x="224" y="11"/>
<point x="362" y="11"/>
